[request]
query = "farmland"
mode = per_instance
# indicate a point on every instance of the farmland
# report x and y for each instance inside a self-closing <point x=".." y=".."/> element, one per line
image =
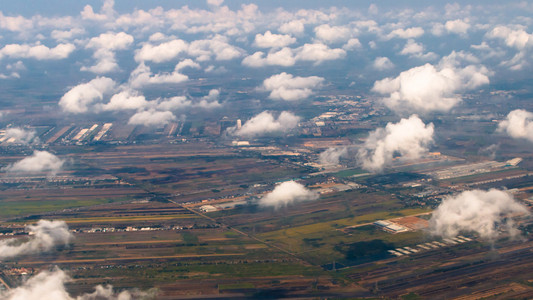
<point x="143" y="219"/>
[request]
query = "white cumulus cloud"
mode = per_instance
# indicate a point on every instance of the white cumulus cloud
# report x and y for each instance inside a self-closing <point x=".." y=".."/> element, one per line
<point x="287" y="193"/>
<point x="293" y="27"/>
<point x="106" y="12"/>
<point x="215" y="2"/>
<point x="152" y="117"/>
<point x="39" y="161"/>
<point x="332" y="34"/>
<point x="283" y="57"/>
<point x="287" y="57"/>
<point x="428" y="88"/>
<point x="64" y="35"/>
<point x="272" y="40"/>
<point x="287" y="87"/>
<point x="216" y="47"/>
<point x="21" y="135"/>
<point x="518" y="124"/>
<point x="105" y="46"/>
<point x="408" y="139"/>
<point x="408" y="33"/>
<point x="515" y="38"/>
<point x="44" y="236"/>
<point x="143" y="76"/>
<point x="332" y="155"/>
<point x="208" y="101"/>
<point x="265" y="123"/>
<point x="482" y="212"/>
<point x="161" y="53"/>
<point x="39" y="52"/>
<point x="318" y="52"/>
<point x="126" y="100"/>
<point x="457" y="26"/>
<point x="382" y="63"/>
<point x="50" y="285"/>
<point x="81" y="97"/>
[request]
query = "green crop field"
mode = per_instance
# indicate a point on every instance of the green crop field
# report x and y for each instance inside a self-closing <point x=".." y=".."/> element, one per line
<point x="21" y="208"/>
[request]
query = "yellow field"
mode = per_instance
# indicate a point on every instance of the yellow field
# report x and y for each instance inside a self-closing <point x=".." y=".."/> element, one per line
<point x="324" y="226"/>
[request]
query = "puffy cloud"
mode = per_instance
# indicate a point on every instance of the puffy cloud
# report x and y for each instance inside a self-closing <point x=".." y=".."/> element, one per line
<point x="382" y="63"/>
<point x="106" y="62"/>
<point x="44" y="236"/>
<point x="332" y="155"/>
<point x="415" y="49"/>
<point x="79" y="98"/>
<point x="111" y="41"/>
<point x="293" y="27"/>
<point x="429" y="88"/>
<point x="156" y="37"/>
<point x="285" y="86"/>
<point x="126" y="100"/>
<point x="151" y="118"/>
<point x="143" y="20"/>
<point x="39" y="52"/>
<point x="106" y="12"/>
<point x="105" y="45"/>
<point x="437" y="29"/>
<point x="408" y="138"/>
<point x="64" y="35"/>
<point x="45" y="285"/>
<point x="288" y="57"/>
<point x="143" y="76"/>
<point x="17" y="24"/>
<point x="210" y="100"/>
<point x="215" y="3"/>
<point x="457" y="26"/>
<point x="408" y="33"/>
<point x="218" y="47"/>
<point x="39" y="161"/>
<point x="265" y="123"/>
<point x="412" y="47"/>
<point x="20" y="135"/>
<point x="518" y="124"/>
<point x="187" y="63"/>
<point x="215" y="70"/>
<point x="175" y="103"/>
<point x="50" y="285"/>
<point x="162" y="52"/>
<point x="367" y="25"/>
<point x="318" y="53"/>
<point x="219" y="20"/>
<point x="515" y="38"/>
<point x="352" y="44"/>
<point x="271" y="40"/>
<point x="283" y="57"/>
<point x="332" y="34"/>
<point x="287" y="193"/>
<point x="482" y="212"/>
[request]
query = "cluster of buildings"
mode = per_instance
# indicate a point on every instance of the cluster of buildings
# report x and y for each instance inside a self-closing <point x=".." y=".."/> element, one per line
<point x="127" y="229"/>
<point x="473" y="169"/>
<point x="430" y="246"/>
